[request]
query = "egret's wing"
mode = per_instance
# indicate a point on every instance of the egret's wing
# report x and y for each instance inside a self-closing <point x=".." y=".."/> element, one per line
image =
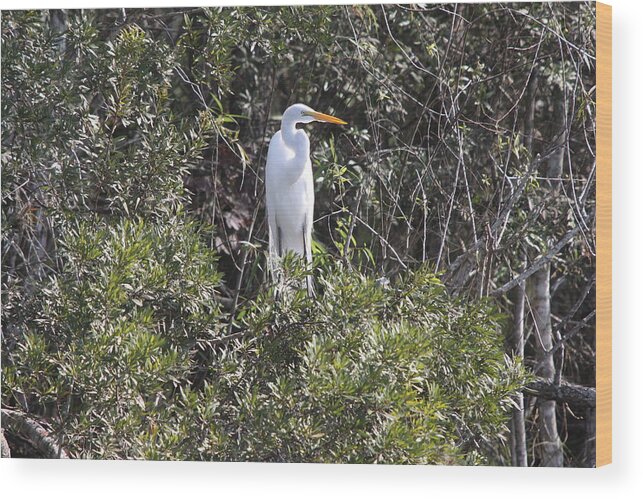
<point x="272" y="187"/>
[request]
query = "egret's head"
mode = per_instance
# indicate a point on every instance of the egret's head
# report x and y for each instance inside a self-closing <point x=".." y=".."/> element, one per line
<point x="301" y="113"/>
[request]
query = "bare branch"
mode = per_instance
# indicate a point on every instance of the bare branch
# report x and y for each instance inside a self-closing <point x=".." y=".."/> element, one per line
<point x="564" y="392"/>
<point x="547" y="257"/>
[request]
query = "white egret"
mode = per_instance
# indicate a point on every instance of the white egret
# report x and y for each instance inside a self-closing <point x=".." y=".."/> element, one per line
<point x="290" y="196"/>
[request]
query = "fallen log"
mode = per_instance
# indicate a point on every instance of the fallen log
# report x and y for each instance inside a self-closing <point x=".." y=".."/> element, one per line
<point x="564" y="392"/>
<point x="20" y="424"/>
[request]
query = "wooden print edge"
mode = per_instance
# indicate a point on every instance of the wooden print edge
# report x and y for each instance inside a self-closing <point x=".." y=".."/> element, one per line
<point x="604" y="234"/>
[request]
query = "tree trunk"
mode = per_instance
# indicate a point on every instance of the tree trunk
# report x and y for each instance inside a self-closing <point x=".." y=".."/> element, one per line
<point x="550" y="446"/>
<point x="590" y="441"/>
<point x="517" y="339"/>
<point x="517" y="347"/>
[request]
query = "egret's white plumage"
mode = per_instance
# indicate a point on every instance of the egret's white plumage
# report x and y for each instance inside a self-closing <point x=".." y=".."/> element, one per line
<point x="290" y="196"/>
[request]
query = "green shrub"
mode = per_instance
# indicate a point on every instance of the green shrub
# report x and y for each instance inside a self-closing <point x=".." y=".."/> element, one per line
<point x="364" y="373"/>
<point x="115" y="331"/>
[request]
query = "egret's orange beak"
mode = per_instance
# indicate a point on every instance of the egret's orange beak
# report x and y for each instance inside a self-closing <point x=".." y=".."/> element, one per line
<point x="326" y="117"/>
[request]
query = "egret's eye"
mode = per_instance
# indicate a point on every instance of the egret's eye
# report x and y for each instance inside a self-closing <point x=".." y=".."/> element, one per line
<point x="303" y="113"/>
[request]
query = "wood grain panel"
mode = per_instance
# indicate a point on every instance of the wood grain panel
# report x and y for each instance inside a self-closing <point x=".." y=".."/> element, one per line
<point x="604" y="235"/>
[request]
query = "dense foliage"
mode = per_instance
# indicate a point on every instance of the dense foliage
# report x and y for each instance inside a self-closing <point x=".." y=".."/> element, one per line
<point x="363" y="374"/>
<point x="137" y="320"/>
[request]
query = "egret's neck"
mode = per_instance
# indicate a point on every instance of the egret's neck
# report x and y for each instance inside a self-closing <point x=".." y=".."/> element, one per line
<point x="296" y="140"/>
<point x="288" y="131"/>
<point x="296" y="155"/>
